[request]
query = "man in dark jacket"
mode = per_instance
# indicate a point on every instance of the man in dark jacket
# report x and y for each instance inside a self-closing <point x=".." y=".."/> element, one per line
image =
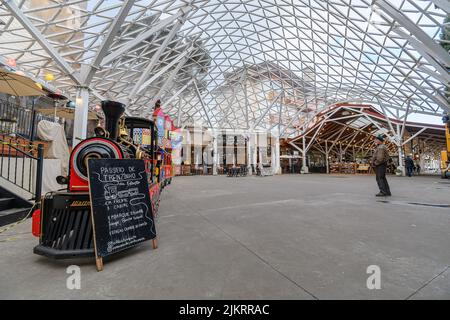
<point x="379" y="161"/>
<point x="409" y="164"/>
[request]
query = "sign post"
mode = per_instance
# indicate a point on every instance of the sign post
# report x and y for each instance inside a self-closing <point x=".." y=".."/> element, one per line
<point x="121" y="209"/>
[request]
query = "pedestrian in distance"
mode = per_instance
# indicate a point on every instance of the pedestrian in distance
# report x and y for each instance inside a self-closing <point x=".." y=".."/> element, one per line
<point x="409" y="164"/>
<point x="380" y="161"/>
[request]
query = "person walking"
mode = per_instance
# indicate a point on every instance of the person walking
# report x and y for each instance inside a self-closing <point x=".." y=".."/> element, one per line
<point x="380" y="161"/>
<point x="409" y="164"/>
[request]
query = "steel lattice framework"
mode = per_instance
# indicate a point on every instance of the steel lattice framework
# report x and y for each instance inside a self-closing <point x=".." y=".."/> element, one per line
<point x="249" y="64"/>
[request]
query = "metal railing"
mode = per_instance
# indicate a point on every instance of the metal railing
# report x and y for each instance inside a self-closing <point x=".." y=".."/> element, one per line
<point x="18" y="120"/>
<point x="22" y="165"/>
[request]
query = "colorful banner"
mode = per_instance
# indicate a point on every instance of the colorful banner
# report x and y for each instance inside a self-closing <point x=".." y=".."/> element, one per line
<point x="167" y="126"/>
<point x="142" y="136"/>
<point x="176" y="137"/>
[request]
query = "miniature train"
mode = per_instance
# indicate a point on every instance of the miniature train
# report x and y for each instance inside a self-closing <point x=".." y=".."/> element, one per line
<point x="445" y="154"/>
<point x="62" y="221"/>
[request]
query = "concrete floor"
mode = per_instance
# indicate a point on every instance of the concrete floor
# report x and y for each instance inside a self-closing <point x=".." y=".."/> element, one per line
<point x="281" y="237"/>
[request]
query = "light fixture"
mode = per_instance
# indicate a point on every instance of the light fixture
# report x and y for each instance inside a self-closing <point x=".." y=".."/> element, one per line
<point x="11" y="62"/>
<point x="49" y="77"/>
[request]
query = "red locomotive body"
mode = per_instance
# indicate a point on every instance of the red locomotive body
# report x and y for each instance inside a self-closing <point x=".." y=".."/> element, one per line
<point x="63" y="221"/>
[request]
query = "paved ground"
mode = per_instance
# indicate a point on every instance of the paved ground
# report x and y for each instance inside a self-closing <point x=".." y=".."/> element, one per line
<point x="291" y="236"/>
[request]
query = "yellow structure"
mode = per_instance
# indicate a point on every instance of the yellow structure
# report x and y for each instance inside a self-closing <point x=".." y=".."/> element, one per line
<point x="445" y="154"/>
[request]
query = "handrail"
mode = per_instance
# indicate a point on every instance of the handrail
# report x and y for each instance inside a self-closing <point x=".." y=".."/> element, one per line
<point x="11" y="145"/>
<point x="22" y="161"/>
<point x="18" y="120"/>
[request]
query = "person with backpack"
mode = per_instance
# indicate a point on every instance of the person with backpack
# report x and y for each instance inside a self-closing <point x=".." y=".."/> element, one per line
<point x="380" y="161"/>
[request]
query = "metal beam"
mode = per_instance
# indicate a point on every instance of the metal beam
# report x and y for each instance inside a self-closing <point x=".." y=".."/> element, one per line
<point x="179" y="113"/>
<point x="351" y="141"/>
<point x="413" y="136"/>
<point x="344" y="118"/>
<point x="225" y="114"/>
<point x="267" y="110"/>
<point x="202" y="103"/>
<point x="436" y="50"/>
<point x="81" y="115"/>
<point x="98" y="95"/>
<point x="386" y="116"/>
<point x="279" y="118"/>
<point x="154" y="60"/>
<point x="426" y="54"/>
<point x="339" y="136"/>
<point x="39" y="37"/>
<point x="170" y="78"/>
<point x="243" y="78"/>
<point x="442" y="4"/>
<point x="300" y="110"/>
<point x="314" y="136"/>
<point x="246" y="102"/>
<point x="440" y="101"/>
<point x="229" y="108"/>
<point x="160" y="72"/>
<point x="442" y="75"/>
<point x="326" y="118"/>
<point x="295" y="146"/>
<point x="114" y="28"/>
<point x="404" y="123"/>
<point x="143" y="36"/>
<point x="179" y="92"/>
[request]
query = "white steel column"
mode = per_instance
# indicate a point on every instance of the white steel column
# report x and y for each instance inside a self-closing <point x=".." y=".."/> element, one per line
<point x="276" y="156"/>
<point x="305" y="169"/>
<point x="81" y="115"/>
<point x="250" y="146"/>
<point x="254" y="151"/>
<point x="326" y="156"/>
<point x="400" y="160"/>
<point x="400" y="150"/>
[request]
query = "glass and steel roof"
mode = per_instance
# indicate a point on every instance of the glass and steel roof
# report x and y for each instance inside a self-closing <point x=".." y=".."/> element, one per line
<point x="249" y="64"/>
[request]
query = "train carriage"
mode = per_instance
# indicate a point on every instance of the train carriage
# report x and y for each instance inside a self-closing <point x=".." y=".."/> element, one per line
<point x="62" y="221"/>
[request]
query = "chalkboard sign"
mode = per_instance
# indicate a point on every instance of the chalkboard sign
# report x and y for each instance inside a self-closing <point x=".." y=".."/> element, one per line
<point x="121" y="207"/>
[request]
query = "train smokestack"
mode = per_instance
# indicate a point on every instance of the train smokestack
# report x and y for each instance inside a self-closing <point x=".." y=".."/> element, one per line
<point x="113" y="111"/>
